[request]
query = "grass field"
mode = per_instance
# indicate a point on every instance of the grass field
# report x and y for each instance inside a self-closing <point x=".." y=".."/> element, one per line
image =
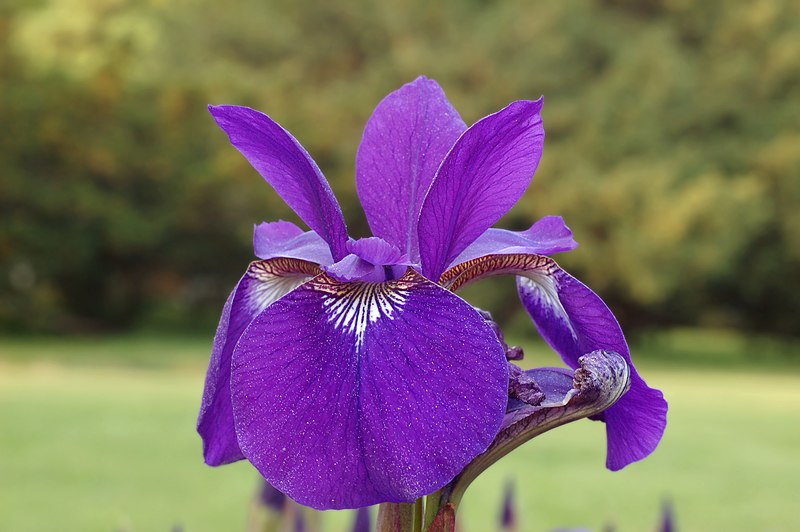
<point x="98" y="435"/>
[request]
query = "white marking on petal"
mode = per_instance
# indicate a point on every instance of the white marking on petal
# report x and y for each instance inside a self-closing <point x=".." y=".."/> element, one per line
<point x="268" y="285"/>
<point x="263" y="294"/>
<point x="353" y="306"/>
<point x="542" y="287"/>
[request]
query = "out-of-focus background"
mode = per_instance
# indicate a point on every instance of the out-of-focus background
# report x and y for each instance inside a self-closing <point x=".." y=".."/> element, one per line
<point x="673" y="152"/>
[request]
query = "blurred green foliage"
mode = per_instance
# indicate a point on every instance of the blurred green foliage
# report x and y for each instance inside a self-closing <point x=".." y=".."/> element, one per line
<point x="673" y="147"/>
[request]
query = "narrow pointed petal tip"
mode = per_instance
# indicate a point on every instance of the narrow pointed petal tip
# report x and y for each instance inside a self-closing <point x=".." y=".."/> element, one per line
<point x="263" y="283"/>
<point x="404" y="142"/>
<point x="285" y="164"/>
<point x="481" y="178"/>
<point x="352" y="394"/>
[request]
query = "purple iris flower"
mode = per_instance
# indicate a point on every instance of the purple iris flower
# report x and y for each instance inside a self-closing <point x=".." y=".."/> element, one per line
<point x="348" y="372"/>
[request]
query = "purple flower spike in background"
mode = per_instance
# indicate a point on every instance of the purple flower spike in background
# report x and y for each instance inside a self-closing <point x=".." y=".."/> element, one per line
<point x="347" y="371"/>
<point x="508" y="514"/>
<point x="361" y="522"/>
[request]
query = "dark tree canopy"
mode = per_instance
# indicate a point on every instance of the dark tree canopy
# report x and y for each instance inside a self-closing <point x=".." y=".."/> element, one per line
<point x="673" y="144"/>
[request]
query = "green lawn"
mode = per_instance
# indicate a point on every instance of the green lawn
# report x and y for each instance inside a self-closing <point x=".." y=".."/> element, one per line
<point x="99" y="435"/>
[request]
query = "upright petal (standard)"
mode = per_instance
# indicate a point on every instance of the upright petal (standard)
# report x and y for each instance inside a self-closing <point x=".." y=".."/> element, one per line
<point x="404" y="142"/>
<point x="286" y="165"/>
<point x="482" y="177"/>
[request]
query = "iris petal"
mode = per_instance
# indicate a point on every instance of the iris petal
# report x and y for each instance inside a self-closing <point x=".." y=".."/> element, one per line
<point x="354" y="268"/>
<point x="262" y="284"/>
<point x="369" y="260"/>
<point x="285" y="239"/>
<point x="547" y="236"/>
<point x="575" y="321"/>
<point x="482" y="177"/>
<point x="351" y="394"/>
<point x="286" y="165"/>
<point x="404" y="142"/>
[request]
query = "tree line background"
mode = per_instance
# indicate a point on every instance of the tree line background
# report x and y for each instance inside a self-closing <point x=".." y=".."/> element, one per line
<point x="673" y="145"/>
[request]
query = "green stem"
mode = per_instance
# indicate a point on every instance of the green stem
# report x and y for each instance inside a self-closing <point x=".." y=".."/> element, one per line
<point x="436" y="502"/>
<point x="419" y="508"/>
<point x="400" y="516"/>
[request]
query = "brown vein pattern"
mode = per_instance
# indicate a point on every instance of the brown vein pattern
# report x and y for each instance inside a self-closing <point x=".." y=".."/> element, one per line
<point x="462" y="274"/>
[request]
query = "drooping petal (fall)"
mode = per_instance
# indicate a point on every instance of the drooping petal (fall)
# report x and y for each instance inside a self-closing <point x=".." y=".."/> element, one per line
<point x="285" y="239"/>
<point x="285" y="164"/>
<point x="575" y="321"/>
<point x="263" y="283"/>
<point x="351" y="394"/>
<point x="482" y="177"/>
<point x="404" y="142"/>
<point x="547" y="236"/>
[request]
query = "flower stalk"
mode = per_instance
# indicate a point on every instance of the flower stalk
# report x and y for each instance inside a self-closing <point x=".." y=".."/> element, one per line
<point x="602" y="378"/>
<point x="400" y="516"/>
